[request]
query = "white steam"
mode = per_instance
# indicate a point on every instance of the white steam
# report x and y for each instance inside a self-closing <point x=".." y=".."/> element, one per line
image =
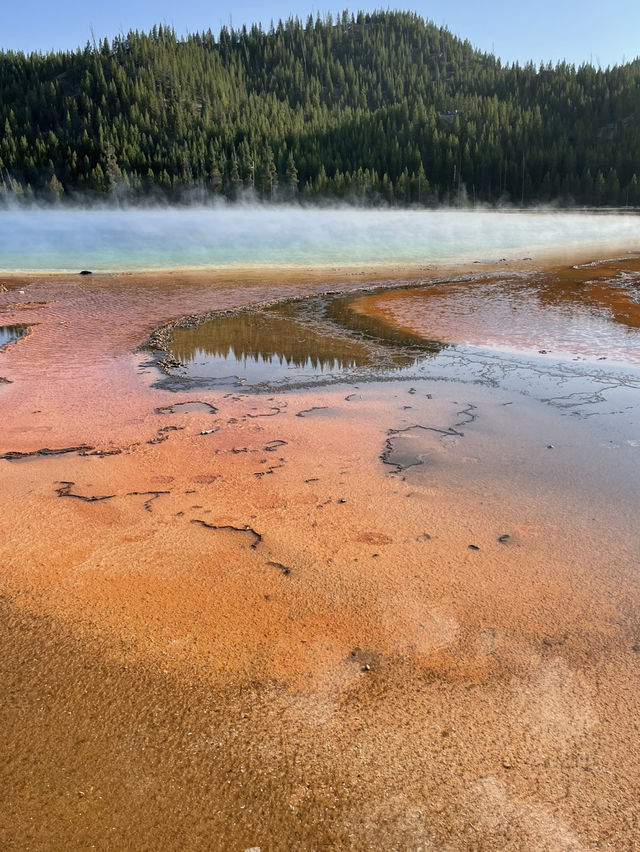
<point x="70" y="239"/>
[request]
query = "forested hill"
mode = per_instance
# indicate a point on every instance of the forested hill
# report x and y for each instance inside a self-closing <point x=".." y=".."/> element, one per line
<point x="381" y="106"/>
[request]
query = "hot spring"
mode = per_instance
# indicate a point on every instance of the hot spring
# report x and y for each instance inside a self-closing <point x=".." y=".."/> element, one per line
<point x="100" y="239"/>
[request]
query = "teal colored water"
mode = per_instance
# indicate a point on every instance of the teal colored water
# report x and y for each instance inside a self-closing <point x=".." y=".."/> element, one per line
<point x="135" y="239"/>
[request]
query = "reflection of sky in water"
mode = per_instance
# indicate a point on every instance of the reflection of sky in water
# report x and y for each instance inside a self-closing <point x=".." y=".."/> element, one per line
<point x="512" y="316"/>
<point x="253" y="235"/>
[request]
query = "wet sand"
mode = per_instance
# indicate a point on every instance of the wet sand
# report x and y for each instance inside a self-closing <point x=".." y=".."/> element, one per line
<point x="393" y="616"/>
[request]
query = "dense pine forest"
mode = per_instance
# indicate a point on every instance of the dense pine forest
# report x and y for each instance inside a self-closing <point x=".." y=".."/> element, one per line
<point x="385" y="108"/>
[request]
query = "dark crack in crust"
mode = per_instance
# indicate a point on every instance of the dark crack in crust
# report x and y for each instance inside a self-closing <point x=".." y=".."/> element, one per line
<point x="152" y="495"/>
<point x="171" y="409"/>
<point x="82" y="449"/>
<point x="285" y="571"/>
<point x="305" y="411"/>
<point x="230" y="528"/>
<point x="65" y="491"/>
<point x="390" y="449"/>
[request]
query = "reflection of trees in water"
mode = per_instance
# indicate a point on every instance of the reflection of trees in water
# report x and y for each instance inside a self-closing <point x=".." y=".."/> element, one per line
<point x="268" y="338"/>
<point x="325" y="335"/>
<point x="243" y="359"/>
<point x="10" y="333"/>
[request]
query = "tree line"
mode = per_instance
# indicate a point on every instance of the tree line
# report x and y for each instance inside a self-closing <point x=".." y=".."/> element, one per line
<point x="382" y="107"/>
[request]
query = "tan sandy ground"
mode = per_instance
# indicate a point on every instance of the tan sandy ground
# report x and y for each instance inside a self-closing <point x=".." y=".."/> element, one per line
<point x="265" y="637"/>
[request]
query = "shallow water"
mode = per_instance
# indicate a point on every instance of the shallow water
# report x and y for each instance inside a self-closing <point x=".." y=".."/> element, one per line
<point x="563" y="318"/>
<point x="316" y="341"/>
<point x="11" y="333"/>
<point x="404" y="332"/>
<point x="134" y="239"/>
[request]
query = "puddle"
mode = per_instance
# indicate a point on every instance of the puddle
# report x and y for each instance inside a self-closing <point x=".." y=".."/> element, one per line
<point x="454" y="329"/>
<point x="315" y="341"/>
<point x="11" y="333"/>
<point x="591" y="320"/>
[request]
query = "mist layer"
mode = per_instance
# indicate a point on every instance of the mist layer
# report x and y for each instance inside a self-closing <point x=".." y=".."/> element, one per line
<point x="228" y="236"/>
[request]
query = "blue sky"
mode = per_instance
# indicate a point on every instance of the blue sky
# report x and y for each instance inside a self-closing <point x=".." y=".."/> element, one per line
<point x="585" y="31"/>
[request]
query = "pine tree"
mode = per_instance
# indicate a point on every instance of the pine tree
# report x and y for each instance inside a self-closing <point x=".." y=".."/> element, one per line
<point x="292" y="176"/>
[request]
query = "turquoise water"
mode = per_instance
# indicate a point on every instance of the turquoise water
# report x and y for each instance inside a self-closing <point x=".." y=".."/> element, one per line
<point x="121" y="240"/>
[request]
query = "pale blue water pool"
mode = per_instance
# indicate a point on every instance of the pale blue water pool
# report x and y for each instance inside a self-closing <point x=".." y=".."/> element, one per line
<point x="157" y="238"/>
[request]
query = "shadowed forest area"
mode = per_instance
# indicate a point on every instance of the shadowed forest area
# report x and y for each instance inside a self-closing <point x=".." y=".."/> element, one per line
<point x="382" y="108"/>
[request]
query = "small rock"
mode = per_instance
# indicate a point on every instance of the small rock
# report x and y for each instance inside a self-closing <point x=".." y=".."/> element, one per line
<point x="473" y="547"/>
<point x="342" y="500"/>
<point x="366" y="667"/>
<point x="85" y="272"/>
<point x="503" y="539"/>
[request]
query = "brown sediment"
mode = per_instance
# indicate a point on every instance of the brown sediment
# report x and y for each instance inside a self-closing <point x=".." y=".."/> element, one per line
<point x="199" y="656"/>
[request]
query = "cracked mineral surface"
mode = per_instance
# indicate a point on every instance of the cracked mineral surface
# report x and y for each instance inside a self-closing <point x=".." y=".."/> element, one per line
<point x="420" y="630"/>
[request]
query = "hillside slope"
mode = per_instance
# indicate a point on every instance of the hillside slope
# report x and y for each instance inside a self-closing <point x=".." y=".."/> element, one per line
<point x="380" y="106"/>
